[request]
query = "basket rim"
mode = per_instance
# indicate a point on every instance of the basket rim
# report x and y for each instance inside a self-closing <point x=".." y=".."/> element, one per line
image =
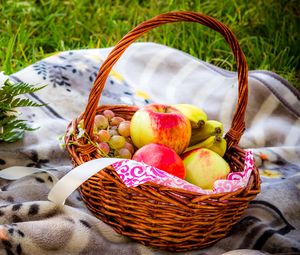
<point x="250" y="185"/>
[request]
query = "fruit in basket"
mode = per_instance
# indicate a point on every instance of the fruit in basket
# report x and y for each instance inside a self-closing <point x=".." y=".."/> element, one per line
<point x="101" y="122"/>
<point x="161" y="157"/>
<point x="204" y="166"/>
<point x="129" y="147"/>
<point x="104" y="135"/>
<point x="158" y="123"/>
<point x="124" y="128"/>
<point x="111" y="135"/>
<point x="117" y="142"/>
<point x="124" y="153"/>
<point x="109" y="114"/>
<point x="196" y="115"/>
<point x="215" y="143"/>
<point x="115" y="121"/>
<point x="211" y="127"/>
<point x="104" y="148"/>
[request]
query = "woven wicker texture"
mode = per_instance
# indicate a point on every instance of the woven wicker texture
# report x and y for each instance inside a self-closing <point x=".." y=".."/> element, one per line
<point x="162" y="217"/>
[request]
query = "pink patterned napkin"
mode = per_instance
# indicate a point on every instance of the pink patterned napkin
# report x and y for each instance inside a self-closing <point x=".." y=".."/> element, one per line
<point x="135" y="173"/>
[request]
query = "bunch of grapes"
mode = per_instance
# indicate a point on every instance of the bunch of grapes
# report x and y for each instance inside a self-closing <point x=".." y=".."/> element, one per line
<point x="112" y="133"/>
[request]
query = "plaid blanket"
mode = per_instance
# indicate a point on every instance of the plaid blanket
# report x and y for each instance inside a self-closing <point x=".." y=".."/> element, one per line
<point x="147" y="72"/>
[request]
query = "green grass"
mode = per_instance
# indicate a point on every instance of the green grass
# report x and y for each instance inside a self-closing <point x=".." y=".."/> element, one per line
<point x="268" y="30"/>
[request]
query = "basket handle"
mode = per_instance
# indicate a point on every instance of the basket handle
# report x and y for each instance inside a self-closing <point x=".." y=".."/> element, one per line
<point x="238" y="124"/>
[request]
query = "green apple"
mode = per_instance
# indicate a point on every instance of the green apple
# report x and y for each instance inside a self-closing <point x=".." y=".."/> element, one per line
<point x="203" y="167"/>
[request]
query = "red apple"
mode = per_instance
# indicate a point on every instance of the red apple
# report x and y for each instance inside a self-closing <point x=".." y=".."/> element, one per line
<point x="161" y="157"/>
<point x="164" y="124"/>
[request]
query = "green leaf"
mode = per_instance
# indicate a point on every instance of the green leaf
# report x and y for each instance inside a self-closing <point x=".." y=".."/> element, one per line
<point x="12" y="128"/>
<point x="14" y="89"/>
<point x="7" y="120"/>
<point x="23" y="102"/>
<point x="12" y="136"/>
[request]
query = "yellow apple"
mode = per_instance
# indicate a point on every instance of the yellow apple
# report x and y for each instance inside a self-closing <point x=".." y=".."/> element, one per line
<point x="203" y="167"/>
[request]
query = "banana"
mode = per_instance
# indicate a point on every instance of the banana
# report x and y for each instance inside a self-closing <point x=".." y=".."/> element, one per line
<point x="211" y="127"/>
<point x="196" y="116"/>
<point x="219" y="146"/>
<point x="207" y="143"/>
<point x="215" y="143"/>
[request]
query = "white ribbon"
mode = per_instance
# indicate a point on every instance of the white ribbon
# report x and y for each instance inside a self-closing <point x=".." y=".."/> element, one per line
<point x="72" y="180"/>
<point x="17" y="172"/>
<point x="64" y="187"/>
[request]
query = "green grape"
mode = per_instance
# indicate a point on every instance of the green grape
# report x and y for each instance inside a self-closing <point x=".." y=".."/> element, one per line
<point x="104" y="147"/>
<point x="124" y="128"/>
<point x="109" y="114"/>
<point x="104" y="135"/>
<point x="117" y="142"/>
<point x="115" y="121"/>
<point x="101" y="122"/>
<point x="124" y="153"/>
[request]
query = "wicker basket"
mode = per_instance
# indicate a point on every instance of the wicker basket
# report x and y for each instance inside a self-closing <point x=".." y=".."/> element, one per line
<point x="162" y="217"/>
